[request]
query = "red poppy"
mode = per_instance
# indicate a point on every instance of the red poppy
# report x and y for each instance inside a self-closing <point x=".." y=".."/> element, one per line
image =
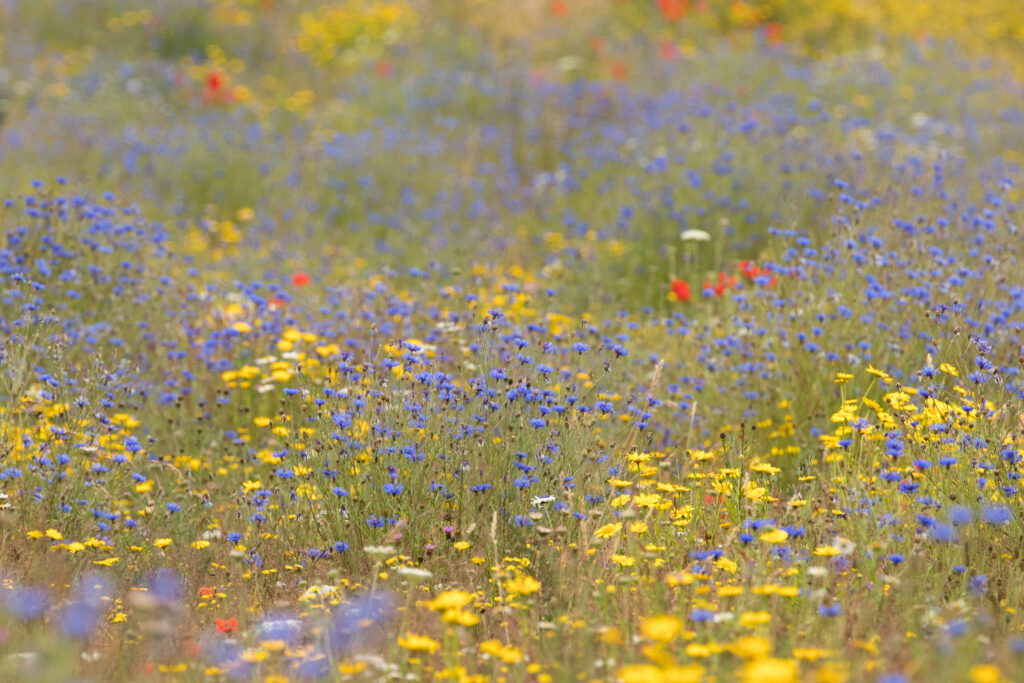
<point x="559" y="8"/>
<point x="215" y="88"/>
<point x="384" y="68"/>
<point x="206" y="592"/>
<point x="681" y="289"/>
<point x="673" y="10"/>
<point x="619" y="71"/>
<point x="214" y="81"/>
<point x="301" y="278"/>
<point x="773" y="33"/>
<point x="227" y="625"/>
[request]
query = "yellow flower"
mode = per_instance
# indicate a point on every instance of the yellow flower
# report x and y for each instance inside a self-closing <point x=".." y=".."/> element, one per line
<point x="647" y="500"/>
<point x="985" y="673"/>
<point x="449" y="600"/>
<point x="54" y="534"/>
<point x="199" y="545"/>
<point x="415" y="643"/>
<point x="109" y="562"/>
<point x="775" y="536"/>
<point x="351" y="668"/>
<point x="948" y="369"/>
<point x="701" y="650"/>
<point x="765" y="468"/>
<point x="754" y="492"/>
<point x="641" y="673"/>
<point x="249" y="486"/>
<point x="623" y="560"/>
<point x="506" y="653"/>
<point x="770" y="670"/>
<point x="162" y="542"/>
<point x="726" y="565"/>
<point x="752" y="619"/>
<point x="826" y="551"/>
<point x="75" y="547"/>
<point x="879" y="373"/>
<point x="253" y="656"/>
<point x="680" y="579"/>
<point x="457" y="616"/>
<point x="608" y="530"/>
<point x="638" y="527"/>
<point x="663" y="629"/>
<point x="523" y="585"/>
<point x="461" y="545"/>
<point x="648" y="673"/>
<point x="261" y="421"/>
<point x="751" y="647"/>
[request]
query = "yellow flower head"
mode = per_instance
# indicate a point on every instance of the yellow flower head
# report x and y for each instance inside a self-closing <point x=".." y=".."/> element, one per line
<point x="775" y="536"/>
<point x="454" y="599"/>
<point x="415" y="643"/>
<point x="608" y="530"/>
<point x="663" y="629"/>
<point x="523" y="585"/>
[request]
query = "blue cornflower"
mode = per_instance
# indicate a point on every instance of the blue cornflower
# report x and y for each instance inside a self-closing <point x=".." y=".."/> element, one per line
<point x="957" y="628"/>
<point x="26" y="603"/>
<point x="833" y="610"/>
<point x="78" y="620"/>
<point x="909" y="487"/>
<point x="960" y="515"/>
<point x="892" y="678"/>
<point x="996" y="514"/>
<point x="701" y="615"/>
<point x="944" y="533"/>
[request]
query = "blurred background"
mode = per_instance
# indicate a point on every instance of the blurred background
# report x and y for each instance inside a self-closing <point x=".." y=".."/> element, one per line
<point x="534" y="133"/>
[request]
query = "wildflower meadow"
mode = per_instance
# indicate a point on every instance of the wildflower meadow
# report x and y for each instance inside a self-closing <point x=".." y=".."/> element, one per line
<point x="512" y="340"/>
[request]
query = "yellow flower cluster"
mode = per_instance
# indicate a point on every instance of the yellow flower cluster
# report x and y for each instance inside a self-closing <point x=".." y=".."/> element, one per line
<point x="352" y="30"/>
